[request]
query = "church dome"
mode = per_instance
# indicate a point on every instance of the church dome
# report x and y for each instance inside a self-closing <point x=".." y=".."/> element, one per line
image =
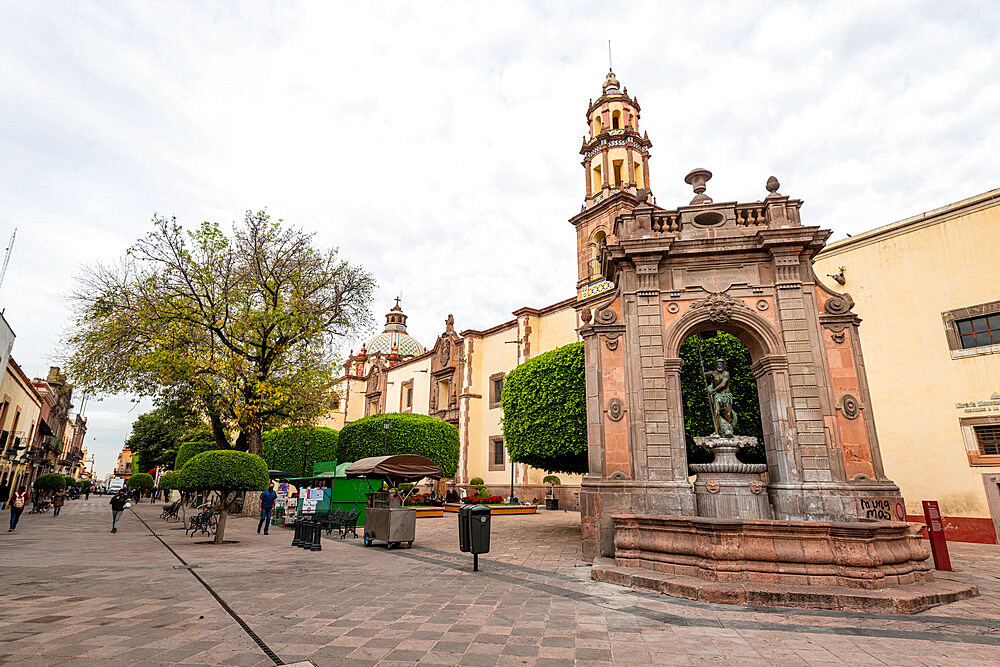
<point x="394" y="336"/>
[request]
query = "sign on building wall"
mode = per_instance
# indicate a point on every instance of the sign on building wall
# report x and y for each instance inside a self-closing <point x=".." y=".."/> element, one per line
<point x="6" y="342"/>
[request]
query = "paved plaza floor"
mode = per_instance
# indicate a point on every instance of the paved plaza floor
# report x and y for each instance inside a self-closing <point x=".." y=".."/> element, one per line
<point x="72" y="593"/>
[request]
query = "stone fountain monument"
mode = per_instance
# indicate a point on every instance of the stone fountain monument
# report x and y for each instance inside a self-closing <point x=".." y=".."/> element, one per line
<point x="794" y="530"/>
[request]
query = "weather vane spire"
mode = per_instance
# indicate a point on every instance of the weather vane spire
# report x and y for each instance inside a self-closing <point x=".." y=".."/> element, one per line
<point x="610" y="66"/>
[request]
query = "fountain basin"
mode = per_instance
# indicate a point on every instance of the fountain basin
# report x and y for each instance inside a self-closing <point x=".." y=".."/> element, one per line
<point x="860" y="565"/>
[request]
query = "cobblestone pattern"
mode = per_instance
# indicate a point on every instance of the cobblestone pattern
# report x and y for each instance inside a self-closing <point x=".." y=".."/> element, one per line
<point x="73" y="594"/>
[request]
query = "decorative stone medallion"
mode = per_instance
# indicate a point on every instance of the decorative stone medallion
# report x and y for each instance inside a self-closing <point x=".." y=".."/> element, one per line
<point x="612" y="343"/>
<point x="850" y="406"/>
<point x="672" y="307"/>
<point x="616" y="409"/>
<point x="756" y="486"/>
<point x="838" y="336"/>
<point x="606" y="316"/>
<point x="712" y="486"/>
<point x="762" y="305"/>
<point x="836" y="305"/>
<point x="445" y="352"/>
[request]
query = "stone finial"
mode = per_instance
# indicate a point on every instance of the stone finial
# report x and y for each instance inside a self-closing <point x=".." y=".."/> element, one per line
<point x="642" y="195"/>
<point x="698" y="178"/>
<point x="772" y="187"/>
<point x="610" y="82"/>
<point x="586" y="315"/>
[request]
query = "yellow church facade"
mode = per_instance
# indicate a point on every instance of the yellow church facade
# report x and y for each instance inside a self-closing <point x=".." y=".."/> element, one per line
<point x="928" y="290"/>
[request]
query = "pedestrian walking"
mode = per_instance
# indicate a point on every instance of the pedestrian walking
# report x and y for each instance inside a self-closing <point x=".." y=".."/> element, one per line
<point x="58" y="500"/>
<point x="266" y="507"/>
<point x="118" y="504"/>
<point x="86" y="493"/>
<point x="17" y="504"/>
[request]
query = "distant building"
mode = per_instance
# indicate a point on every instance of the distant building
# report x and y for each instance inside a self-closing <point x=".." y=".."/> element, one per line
<point x="19" y="420"/>
<point x="928" y="290"/>
<point x="123" y="467"/>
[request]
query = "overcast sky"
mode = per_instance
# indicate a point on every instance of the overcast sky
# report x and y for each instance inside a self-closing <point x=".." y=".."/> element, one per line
<point x="437" y="144"/>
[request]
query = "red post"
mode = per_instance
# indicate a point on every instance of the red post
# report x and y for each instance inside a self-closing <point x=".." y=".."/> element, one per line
<point x="935" y="530"/>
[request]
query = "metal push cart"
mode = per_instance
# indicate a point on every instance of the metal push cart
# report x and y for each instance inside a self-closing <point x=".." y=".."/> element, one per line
<point x="386" y="520"/>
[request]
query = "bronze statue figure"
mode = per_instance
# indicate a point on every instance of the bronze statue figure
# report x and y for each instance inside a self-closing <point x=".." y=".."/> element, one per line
<point x="721" y="399"/>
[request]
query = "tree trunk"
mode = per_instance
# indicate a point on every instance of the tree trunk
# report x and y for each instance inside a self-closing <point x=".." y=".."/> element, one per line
<point x="255" y="441"/>
<point x="241" y="441"/>
<point x="223" y="513"/>
<point x="219" y="431"/>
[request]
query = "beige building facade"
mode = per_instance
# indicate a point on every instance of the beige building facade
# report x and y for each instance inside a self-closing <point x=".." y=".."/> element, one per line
<point x="928" y="291"/>
<point x="19" y="417"/>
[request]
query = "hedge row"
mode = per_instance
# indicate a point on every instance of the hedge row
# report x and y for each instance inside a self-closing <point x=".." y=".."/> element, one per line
<point x="408" y="434"/>
<point x="285" y="448"/>
<point x="141" y="480"/>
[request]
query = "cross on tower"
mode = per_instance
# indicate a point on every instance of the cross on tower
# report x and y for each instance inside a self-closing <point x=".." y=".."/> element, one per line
<point x="397" y="302"/>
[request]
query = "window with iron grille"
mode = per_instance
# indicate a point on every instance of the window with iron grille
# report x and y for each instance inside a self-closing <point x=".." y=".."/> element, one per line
<point x="979" y="331"/>
<point x="498" y="458"/>
<point x="988" y="439"/>
<point x="496" y="389"/>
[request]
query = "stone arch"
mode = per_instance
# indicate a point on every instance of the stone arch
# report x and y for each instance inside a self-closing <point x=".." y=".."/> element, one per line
<point x="757" y="334"/>
<point x="770" y="368"/>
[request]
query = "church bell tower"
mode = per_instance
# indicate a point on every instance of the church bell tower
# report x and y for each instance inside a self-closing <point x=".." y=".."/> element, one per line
<point x="615" y="155"/>
<point x="616" y="170"/>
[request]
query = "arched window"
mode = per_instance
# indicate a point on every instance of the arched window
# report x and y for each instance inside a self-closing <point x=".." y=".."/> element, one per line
<point x="595" y="253"/>
<point x="616" y="120"/>
<point x="598" y="182"/>
<point x="597" y="125"/>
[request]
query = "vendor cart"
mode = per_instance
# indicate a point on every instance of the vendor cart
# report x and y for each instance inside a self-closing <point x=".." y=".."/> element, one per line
<point x="386" y="520"/>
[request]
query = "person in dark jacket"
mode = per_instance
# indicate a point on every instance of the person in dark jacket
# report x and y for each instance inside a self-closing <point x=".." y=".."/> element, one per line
<point x="118" y="503"/>
<point x="266" y="507"/>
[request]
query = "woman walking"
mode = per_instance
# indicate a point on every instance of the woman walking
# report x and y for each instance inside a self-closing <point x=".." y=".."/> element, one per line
<point x="17" y="504"/>
<point x="118" y="504"/>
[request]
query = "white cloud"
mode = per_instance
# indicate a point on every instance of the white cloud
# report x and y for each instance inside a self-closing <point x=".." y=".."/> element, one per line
<point x="437" y="144"/>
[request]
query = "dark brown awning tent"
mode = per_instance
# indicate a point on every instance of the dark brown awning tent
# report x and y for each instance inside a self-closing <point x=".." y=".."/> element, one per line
<point x="398" y="468"/>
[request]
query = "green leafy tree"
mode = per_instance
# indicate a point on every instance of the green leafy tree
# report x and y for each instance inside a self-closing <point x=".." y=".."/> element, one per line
<point x="157" y="435"/>
<point x="244" y="322"/>
<point x="51" y="481"/>
<point x="227" y="472"/>
<point x="190" y="449"/>
<point x="545" y="412"/>
<point x="285" y="448"/>
<point x="408" y="434"/>
<point x="140" y="481"/>
<point x="70" y="481"/>
<point x="698" y="414"/>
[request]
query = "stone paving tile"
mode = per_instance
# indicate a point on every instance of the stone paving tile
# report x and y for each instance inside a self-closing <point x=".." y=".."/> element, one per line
<point x="533" y="603"/>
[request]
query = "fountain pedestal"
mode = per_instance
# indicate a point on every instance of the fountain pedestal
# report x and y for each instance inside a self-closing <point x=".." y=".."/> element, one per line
<point x="727" y="488"/>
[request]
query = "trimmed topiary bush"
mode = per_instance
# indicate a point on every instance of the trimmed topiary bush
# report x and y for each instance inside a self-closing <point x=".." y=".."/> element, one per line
<point x="70" y="481"/>
<point x="545" y="412"/>
<point x="141" y="481"/>
<point x="226" y="471"/>
<point x="408" y="434"/>
<point x="190" y="449"/>
<point x="285" y="448"/>
<point x="52" y="481"/>
<point x="169" y="480"/>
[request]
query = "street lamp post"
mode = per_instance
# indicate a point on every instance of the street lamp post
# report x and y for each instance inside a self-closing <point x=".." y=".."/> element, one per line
<point x="385" y="439"/>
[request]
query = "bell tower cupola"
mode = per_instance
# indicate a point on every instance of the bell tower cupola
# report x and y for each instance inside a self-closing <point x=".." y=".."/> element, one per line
<point x="615" y="154"/>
